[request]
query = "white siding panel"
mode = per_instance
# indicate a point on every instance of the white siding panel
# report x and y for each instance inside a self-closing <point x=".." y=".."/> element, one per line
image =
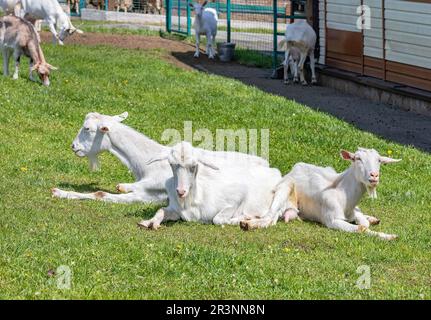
<point x="408" y="6"/>
<point x="373" y="43"/>
<point x="409" y="27"/>
<point x="342" y="26"/>
<point x="373" y="33"/>
<point x="408" y="17"/>
<point x="409" y="38"/>
<point x="409" y="59"/>
<point x="322" y="34"/>
<point x="373" y="52"/>
<point x="406" y="48"/>
<point x="373" y="38"/>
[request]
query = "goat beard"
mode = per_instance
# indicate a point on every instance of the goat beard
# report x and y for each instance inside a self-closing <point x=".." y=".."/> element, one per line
<point x="372" y="192"/>
<point x="94" y="163"/>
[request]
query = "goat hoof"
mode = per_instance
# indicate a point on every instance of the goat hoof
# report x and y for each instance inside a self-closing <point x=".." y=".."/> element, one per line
<point x="120" y="188"/>
<point x="15" y="77"/>
<point x="373" y="221"/>
<point x="314" y="81"/>
<point x="145" y="224"/>
<point x="55" y="193"/>
<point x="362" y="229"/>
<point x="148" y="224"/>
<point x="391" y="237"/>
<point x="304" y="83"/>
<point x="244" y="226"/>
<point x="196" y="55"/>
<point x="286" y="82"/>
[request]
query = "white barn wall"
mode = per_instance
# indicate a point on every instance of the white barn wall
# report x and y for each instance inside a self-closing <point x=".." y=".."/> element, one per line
<point x="408" y="32"/>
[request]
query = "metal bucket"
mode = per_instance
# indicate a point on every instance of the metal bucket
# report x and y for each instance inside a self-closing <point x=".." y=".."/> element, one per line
<point x="226" y="51"/>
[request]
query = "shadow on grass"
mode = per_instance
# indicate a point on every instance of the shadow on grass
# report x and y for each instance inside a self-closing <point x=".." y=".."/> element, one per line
<point x="86" y="187"/>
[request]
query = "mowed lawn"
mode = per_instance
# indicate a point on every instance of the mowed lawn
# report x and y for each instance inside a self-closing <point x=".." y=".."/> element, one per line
<point x="111" y="258"/>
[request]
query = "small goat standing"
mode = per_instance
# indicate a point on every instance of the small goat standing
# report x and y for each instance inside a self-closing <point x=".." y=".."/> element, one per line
<point x="205" y="23"/>
<point x="325" y="196"/>
<point x="19" y="37"/>
<point x="300" y="35"/>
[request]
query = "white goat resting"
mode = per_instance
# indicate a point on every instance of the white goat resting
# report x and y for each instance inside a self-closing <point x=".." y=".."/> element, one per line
<point x="302" y="36"/>
<point x="213" y="192"/>
<point x="325" y="196"/>
<point x="205" y="23"/>
<point x="101" y="133"/>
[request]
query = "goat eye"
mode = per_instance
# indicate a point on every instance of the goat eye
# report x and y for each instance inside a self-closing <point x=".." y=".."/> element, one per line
<point x="87" y="129"/>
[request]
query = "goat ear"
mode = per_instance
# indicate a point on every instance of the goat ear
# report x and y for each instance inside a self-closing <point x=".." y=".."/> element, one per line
<point x="205" y="3"/>
<point x="51" y="67"/>
<point x="387" y="160"/>
<point x="121" y="117"/>
<point x="346" y="155"/>
<point x="35" y="66"/>
<point x="209" y="165"/>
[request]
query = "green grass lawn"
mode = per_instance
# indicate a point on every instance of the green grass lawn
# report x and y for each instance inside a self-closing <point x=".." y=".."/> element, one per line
<point x="111" y="258"/>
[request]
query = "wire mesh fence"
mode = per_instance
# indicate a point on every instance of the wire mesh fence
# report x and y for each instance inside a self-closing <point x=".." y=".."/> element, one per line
<point x="256" y="26"/>
<point x="138" y="6"/>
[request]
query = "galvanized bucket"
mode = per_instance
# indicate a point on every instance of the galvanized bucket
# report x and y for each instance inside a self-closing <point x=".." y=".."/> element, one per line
<point x="226" y="51"/>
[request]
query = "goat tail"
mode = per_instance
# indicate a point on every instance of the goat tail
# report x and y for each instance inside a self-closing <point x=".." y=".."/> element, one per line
<point x="282" y="43"/>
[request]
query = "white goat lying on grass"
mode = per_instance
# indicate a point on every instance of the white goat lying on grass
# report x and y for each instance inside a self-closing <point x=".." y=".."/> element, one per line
<point x="101" y="133"/>
<point x="323" y="195"/>
<point x="301" y="36"/>
<point x="205" y="23"/>
<point x="213" y="192"/>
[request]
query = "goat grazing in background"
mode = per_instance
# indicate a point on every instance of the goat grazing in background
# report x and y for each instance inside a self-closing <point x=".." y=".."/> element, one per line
<point x="101" y="133"/>
<point x="52" y="13"/>
<point x="205" y="23"/>
<point x="19" y="37"/>
<point x="325" y="196"/>
<point x="210" y="191"/>
<point x="300" y="35"/>
<point x="73" y="4"/>
<point x="123" y="5"/>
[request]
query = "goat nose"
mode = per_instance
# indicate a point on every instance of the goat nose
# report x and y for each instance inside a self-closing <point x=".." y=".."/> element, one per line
<point x="374" y="174"/>
<point x="73" y="146"/>
<point x="181" y="192"/>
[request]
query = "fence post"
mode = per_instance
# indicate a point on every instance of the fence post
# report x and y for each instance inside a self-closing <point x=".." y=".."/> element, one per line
<point x="168" y="15"/>
<point x="106" y="5"/>
<point x="228" y="20"/>
<point x="189" y="19"/>
<point x="275" y="31"/>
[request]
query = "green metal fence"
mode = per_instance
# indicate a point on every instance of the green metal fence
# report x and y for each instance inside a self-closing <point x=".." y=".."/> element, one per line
<point x="256" y="26"/>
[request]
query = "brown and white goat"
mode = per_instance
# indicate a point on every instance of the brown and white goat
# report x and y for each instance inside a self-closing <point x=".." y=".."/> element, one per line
<point x="19" y="37"/>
